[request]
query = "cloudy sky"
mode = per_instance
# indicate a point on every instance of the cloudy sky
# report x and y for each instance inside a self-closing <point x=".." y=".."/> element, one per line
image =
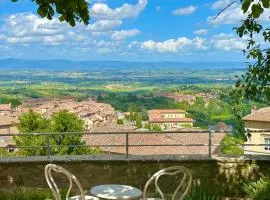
<point x="131" y="30"/>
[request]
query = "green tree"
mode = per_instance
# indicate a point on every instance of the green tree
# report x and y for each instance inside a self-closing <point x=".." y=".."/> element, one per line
<point x="201" y="117"/>
<point x="71" y="11"/>
<point x="32" y="122"/>
<point x="61" y="122"/>
<point x="232" y="150"/>
<point x="199" y="102"/>
<point x="67" y="122"/>
<point x="15" y="101"/>
<point x="254" y="84"/>
<point x="138" y="120"/>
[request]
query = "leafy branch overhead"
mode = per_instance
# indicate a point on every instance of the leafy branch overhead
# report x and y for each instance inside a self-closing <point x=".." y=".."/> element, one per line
<point x="71" y="11"/>
<point x="255" y="83"/>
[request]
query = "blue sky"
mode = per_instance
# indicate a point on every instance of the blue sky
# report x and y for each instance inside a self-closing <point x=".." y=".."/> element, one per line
<point x="131" y="30"/>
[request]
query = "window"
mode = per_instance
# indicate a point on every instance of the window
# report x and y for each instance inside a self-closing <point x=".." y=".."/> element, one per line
<point x="267" y="144"/>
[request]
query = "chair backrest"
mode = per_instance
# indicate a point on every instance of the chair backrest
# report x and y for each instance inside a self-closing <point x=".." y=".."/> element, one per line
<point x="186" y="181"/>
<point x="48" y="175"/>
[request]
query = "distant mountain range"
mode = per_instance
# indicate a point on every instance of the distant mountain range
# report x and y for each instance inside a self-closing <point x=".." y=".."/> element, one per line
<point x="104" y="65"/>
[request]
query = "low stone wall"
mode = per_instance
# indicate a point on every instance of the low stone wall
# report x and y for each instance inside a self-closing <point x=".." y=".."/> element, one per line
<point x="226" y="175"/>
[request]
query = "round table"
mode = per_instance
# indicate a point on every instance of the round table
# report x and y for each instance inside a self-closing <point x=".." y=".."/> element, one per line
<point x="116" y="192"/>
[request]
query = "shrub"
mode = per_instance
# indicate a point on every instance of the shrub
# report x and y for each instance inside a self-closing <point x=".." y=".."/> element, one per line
<point x="26" y="194"/>
<point x="138" y="120"/>
<point x="120" y="121"/>
<point x="232" y="150"/>
<point x="147" y="126"/>
<point x="201" y="192"/>
<point x="156" y="128"/>
<point x="259" y="190"/>
<point x="29" y="194"/>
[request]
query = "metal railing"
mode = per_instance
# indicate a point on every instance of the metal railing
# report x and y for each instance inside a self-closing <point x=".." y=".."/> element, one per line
<point x="125" y="141"/>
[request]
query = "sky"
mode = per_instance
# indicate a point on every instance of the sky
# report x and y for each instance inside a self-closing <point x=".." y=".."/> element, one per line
<point x="126" y="30"/>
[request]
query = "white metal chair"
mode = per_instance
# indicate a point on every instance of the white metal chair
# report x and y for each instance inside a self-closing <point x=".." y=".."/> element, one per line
<point x="186" y="181"/>
<point x="48" y="175"/>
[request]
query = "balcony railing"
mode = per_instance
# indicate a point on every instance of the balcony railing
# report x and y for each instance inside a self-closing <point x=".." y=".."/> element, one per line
<point x="207" y="143"/>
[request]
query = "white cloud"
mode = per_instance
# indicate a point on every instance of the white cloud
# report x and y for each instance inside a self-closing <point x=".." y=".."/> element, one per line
<point x="228" y="42"/>
<point x="103" y="25"/>
<point x="220" y="4"/>
<point x="185" y="11"/>
<point x="233" y="14"/>
<point x="201" y="32"/>
<point x="24" y="28"/>
<point x="103" y="11"/>
<point x="27" y="28"/>
<point x="123" y="34"/>
<point x="181" y="44"/>
<point x="53" y="40"/>
<point x="104" y="50"/>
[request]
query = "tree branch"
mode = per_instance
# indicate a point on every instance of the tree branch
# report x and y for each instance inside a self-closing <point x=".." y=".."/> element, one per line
<point x="233" y="2"/>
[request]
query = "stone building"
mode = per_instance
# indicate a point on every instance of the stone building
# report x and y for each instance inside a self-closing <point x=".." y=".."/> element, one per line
<point x="170" y="119"/>
<point x="259" y="119"/>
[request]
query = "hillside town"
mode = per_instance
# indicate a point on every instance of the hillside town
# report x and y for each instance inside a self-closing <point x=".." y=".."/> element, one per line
<point x="102" y="117"/>
<point x="189" y="98"/>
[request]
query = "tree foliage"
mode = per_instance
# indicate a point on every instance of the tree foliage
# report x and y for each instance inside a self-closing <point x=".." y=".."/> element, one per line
<point x="71" y="11"/>
<point x="32" y="122"/>
<point x="254" y="84"/>
<point x="138" y="120"/>
<point x="232" y="150"/>
<point x="259" y="190"/>
<point x="60" y="122"/>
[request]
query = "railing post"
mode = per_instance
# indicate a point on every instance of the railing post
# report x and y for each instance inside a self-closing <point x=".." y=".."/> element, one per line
<point x="48" y="146"/>
<point x="127" y="145"/>
<point x="210" y="144"/>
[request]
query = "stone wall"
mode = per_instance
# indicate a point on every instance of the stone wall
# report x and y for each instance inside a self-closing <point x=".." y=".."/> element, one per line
<point x="223" y="175"/>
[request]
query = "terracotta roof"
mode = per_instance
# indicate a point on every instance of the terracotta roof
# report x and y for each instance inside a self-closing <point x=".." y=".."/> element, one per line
<point x="7" y="121"/>
<point x="157" y="116"/>
<point x="5" y="106"/>
<point x="260" y="115"/>
<point x="156" y="139"/>
<point x="167" y="111"/>
<point x="171" y="120"/>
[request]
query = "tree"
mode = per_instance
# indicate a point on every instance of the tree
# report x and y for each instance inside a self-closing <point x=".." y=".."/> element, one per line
<point x="60" y="122"/>
<point x="14" y="100"/>
<point x="71" y="11"/>
<point x="201" y="116"/>
<point x="32" y="122"/>
<point x="138" y="120"/>
<point x="232" y="150"/>
<point x="254" y="84"/>
<point x="67" y="122"/>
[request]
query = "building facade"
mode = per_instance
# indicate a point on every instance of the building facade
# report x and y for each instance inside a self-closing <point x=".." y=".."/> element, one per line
<point x="170" y="119"/>
<point x="258" y="120"/>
